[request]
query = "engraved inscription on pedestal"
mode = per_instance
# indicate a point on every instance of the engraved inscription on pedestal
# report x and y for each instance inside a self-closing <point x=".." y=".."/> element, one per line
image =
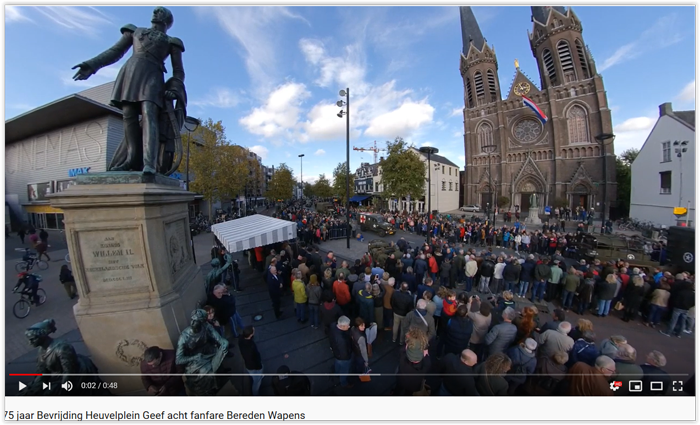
<point x="177" y="243"/>
<point x="113" y="259"/>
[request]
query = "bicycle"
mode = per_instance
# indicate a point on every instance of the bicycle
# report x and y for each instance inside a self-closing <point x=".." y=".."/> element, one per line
<point x="22" y="307"/>
<point x="29" y="260"/>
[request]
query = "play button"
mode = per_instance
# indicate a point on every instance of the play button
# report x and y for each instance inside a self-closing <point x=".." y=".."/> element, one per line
<point x="22" y="386"/>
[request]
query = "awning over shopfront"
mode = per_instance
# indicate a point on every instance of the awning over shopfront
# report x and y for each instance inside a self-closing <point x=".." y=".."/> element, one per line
<point x="359" y="198"/>
<point x="253" y="231"/>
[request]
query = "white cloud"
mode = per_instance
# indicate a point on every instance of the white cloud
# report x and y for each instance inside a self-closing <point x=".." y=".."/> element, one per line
<point x="320" y="152"/>
<point x="399" y="122"/>
<point x="102" y="76"/>
<point x="16" y="14"/>
<point x="687" y="95"/>
<point x="259" y="150"/>
<point x="457" y="112"/>
<point x="219" y="97"/>
<point x="458" y="134"/>
<point x="255" y="29"/>
<point x="323" y="123"/>
<point x="279" y="114"/>
<point x="635" y="124"/>
<point x="81" y="19"/>
<point x="663" y="33"/>
<point x="342" y="71"/>
<point x="427" y="144"/>
<point x="632" y="133"/>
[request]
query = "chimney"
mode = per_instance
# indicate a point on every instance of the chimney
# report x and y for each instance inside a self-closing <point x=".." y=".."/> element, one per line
<point x="665" y="109"/>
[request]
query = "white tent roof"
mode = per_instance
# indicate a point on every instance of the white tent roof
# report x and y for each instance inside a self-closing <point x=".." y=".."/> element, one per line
<point x="253" y="231"/>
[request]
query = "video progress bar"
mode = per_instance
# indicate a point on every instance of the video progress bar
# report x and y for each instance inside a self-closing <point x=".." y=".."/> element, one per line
<point x="58" y="375"/>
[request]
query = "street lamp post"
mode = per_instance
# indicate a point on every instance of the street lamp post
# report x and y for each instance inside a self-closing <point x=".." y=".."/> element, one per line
<point x="301" y="175"/>
<point x="604" y="139"/>
<point x="346" y="94"/>
<point x="489" y="149"/>
<point x="680" y="149"/>
<point x="429" y="150"/>
<point x="191" y="124"/>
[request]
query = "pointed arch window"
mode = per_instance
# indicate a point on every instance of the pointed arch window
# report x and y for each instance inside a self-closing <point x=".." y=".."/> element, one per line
<point x="479" y="87"/>
<point x="577" y="121"/>
<point x="582" y="59"/>
<point x="484" y="135"/>
<point x="566" y="61"/>
<point x="548" y="62"/>
<point x="492" y="85"/>
<point x="468" y="92"/>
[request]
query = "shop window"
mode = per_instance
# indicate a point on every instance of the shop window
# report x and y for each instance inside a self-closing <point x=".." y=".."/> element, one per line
<point x="62" y="185"/>
<point x="38" y="191"/>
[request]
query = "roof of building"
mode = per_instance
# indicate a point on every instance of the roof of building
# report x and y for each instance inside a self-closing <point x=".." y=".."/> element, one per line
<point x="541" y="13"/>
<point x="59" y="113"/>
<point x="438" y="158"/>
<point x="688" y="117"/>
<point x="471" y="33"/>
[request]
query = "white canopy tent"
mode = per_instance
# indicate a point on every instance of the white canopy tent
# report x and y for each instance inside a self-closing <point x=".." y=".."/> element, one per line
<point x="253" y="231"/>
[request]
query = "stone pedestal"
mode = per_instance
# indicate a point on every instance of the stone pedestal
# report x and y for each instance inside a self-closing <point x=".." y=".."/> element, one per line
<point x="129" y="240"/>
<point x="533" y="216"/>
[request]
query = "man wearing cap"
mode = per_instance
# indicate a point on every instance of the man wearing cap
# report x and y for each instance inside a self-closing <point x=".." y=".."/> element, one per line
<point x="523" y="364"/>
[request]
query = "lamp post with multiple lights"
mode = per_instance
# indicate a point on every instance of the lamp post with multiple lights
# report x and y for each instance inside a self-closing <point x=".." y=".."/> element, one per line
<point x="604" y="139"/>
<point x="429" y="150"/>
<point x="301" y="175"/>
<point x="346" y="94"/>
<point x="680" y="149"/>
<point x="489" y="149"/>
<point x="191" y="124"/>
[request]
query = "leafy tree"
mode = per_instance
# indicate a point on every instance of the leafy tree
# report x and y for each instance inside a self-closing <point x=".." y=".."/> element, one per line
<point x="503" y="201"/>
<point x="322" y="187"/>
<point x="403" y="172"/>
<point x="282" y="184"/>
<point x="308" y="190"/>
<point x="205" y="160"/>
<point x="339" y="187"/>
<point x="623" y="167"/>
<point x="233" y="165"/>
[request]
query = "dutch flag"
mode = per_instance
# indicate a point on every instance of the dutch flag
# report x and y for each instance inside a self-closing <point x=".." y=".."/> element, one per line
<point x="540" y="115"/>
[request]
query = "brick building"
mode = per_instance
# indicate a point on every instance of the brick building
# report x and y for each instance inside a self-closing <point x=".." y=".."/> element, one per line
<point x="561" y="161"/>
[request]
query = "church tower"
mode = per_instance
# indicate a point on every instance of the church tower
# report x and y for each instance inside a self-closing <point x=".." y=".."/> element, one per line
<point x="482" y="94"/>
<point x="512" y="154"/>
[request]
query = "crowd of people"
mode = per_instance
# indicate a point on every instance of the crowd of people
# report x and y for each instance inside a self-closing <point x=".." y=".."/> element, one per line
<point x="423" y="301"/>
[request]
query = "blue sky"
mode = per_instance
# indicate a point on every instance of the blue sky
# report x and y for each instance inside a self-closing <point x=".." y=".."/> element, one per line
<point x="272" y="74"/>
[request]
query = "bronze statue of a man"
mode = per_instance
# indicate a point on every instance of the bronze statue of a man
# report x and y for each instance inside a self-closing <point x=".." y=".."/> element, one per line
<point x="201" y="350"/>
<point x="140" y="89"/>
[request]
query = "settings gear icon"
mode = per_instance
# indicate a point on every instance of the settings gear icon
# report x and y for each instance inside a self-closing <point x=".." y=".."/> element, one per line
<point x="615" y="385"/>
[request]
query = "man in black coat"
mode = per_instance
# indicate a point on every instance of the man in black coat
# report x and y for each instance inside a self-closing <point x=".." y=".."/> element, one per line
<point x="401" y="305"/>
<point x="274" y="287"/>
<point x="486" y="272"/>
<point x="682" y="299"/>
<point x="341" y="345"/>
<point x="653" y="372"/>
<point x="458" y="375"/>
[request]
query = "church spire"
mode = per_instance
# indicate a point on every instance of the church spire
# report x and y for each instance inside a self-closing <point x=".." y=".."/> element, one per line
<point x="471" y="33"/>
<point x="541" y="13"/>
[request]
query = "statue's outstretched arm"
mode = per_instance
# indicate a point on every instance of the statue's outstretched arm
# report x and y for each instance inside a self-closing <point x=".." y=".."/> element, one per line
<point x="111" y="55"/>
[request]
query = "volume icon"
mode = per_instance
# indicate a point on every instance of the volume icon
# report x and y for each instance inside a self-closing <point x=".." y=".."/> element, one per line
<point x="68" y="385"/>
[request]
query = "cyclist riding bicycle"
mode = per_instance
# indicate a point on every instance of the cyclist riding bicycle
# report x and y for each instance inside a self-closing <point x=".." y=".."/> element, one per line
<point x="31" y="285"/>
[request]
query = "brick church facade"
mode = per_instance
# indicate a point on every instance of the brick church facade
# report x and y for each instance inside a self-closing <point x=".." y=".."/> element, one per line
<point x="561" y="161"/>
